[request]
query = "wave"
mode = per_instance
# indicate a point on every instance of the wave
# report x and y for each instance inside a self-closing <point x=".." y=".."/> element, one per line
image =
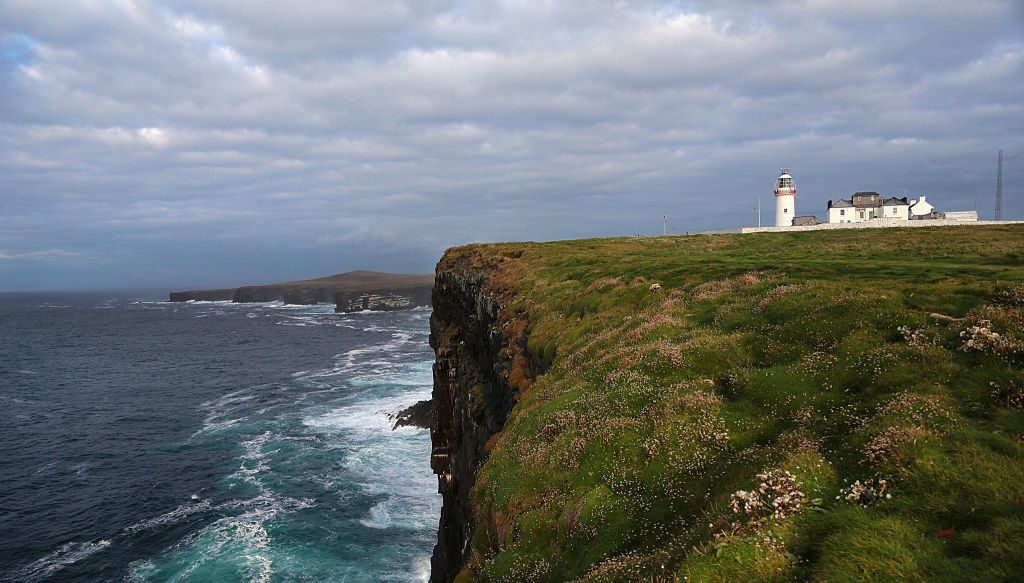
<point x="369" y="481"/>
<point x="209" y="302"/>
<point x="379" y="517"/>
<point x="169" y="518"/>
<point x="303" y="320"/>
<point x="241" y="542"/>
<point x="67" y="554"/>
<point x="226" y="410"/>
<point x="73" y="552"/>
<point x="422" y="569"/>
<point x="385" y="463"/>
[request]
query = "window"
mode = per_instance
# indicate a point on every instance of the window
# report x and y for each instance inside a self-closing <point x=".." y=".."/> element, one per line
<point x="785" y="211"/>
<point x="842" y="212"/>
<point x="862" y="214"/>
<point x="893" y="210"/>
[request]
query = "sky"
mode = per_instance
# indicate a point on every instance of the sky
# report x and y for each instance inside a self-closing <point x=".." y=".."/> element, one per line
<point x="158" y="143"/>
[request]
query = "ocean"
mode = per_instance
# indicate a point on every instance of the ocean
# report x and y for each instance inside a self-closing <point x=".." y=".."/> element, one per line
<point x="142" y="440"/>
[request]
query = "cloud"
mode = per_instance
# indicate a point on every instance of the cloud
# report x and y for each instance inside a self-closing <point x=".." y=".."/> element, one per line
<point x="46" y="255"/>
<point x="328" y="136"/>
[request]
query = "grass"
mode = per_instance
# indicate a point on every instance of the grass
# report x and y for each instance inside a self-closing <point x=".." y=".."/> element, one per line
<point x="836" y="356"/>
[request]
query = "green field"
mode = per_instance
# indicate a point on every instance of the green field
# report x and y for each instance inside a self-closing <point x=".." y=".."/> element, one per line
<point x="827" y="406"/>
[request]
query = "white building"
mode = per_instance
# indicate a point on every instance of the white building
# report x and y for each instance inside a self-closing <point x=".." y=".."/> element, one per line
<point x="869" y="206"/>
<point x="865" y="206"/>
<point x="961" y="215"/>
<point x="785" y="199"/>
<point x="921" y="207"/>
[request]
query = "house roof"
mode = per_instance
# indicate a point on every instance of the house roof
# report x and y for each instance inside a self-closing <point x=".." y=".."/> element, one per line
<point x="893" y="201"/>
<point x="804" y="220"/>
<point x="866" y="199"/>
<point x="858" y="201"/>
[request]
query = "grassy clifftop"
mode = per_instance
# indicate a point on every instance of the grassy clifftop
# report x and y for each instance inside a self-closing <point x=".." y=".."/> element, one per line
<point x="834" y="406"/>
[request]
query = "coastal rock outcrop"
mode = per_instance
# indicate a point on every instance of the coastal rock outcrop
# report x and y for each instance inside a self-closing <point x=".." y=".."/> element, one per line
<point x="419" y="415"/>
<point x="383" y="300"/>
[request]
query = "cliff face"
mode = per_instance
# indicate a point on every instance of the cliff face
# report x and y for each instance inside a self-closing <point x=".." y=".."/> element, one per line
<point x="472" y="396"/>
<point x="260" y="293"/>
<point x="383" y="300"/>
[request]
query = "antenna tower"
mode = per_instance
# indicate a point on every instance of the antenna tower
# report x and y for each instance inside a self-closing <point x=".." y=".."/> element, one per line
<point x="999" y="188"/>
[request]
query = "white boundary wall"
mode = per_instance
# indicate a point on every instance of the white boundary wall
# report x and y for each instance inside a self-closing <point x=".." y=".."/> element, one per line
<point x="877" y="224"/>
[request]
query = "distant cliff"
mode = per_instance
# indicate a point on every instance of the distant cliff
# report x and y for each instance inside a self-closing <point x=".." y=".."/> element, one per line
<point x="350" y="291"/>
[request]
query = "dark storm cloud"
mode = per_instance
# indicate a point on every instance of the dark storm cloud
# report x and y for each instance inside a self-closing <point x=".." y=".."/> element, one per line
<point x="221" y="141"/>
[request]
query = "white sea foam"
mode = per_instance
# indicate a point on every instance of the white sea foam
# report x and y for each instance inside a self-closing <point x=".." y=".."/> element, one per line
<point x="168" y="518"/>
<point x="221" y="413"/>
<point x="371" y="362"/>
<point x="81" y="469"/>
<point x="254" y="462"/>
<point x="67" y="554"/>
<point x="379" y="517"/>
<point x="421" y="570"/>
<point x="320" y="308"/>
<point x="213" y="426"/>
<point x="256" y="459"/>
<point x="382" y="462"/>
<point x="228" y="539"/>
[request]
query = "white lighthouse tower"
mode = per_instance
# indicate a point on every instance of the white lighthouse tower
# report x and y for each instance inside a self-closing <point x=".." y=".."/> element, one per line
<point x="785" y="199"/>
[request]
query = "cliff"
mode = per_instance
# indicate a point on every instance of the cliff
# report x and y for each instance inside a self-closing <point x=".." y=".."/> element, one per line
<point x="383" y="299"/>
<point x="831" y="406"/>
<point x="475" y="353"/>
<point x="350" y="291"/>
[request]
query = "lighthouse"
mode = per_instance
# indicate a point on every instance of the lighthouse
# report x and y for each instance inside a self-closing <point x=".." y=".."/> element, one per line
<point x="785" y="199"/>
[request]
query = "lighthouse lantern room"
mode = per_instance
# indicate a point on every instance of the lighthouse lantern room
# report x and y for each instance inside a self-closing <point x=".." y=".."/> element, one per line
<point x="785" y="199"/>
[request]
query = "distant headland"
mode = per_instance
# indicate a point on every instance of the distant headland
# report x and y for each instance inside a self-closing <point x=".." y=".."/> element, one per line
<point x="352" y="291"/>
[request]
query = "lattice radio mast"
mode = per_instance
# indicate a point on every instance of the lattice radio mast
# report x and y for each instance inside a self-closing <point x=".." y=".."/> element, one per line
<point x="999" y="188"/>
